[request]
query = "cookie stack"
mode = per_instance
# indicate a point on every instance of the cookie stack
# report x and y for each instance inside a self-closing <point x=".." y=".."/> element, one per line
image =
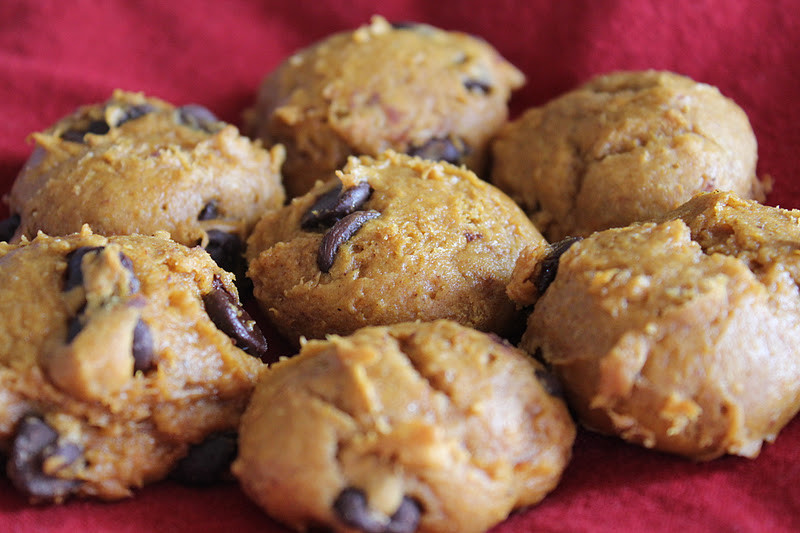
<point x="457" y="286"/>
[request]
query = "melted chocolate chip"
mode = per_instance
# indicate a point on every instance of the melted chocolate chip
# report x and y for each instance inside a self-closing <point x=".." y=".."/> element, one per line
<point x="209" y="211"/>
<point x="336" y="204"/>
<point x="73" y="136"/>
<point x="142" y="348"/>
<point x="545" y="272"/>
<point x="9" y="226"/>
<point x="352" y="508"/>
<point x="34" y="444"/>
<point x="404" y="25"/>
<point x="127" y="264"/>
<point x="477" y="86"/>
<point x="74" y="327"/>
<point x="74" y="271"/>
<point x="198" y="117"/>
<point x="340" y="233"/>
<point x="438" y="150"/>
<point x="208" y="462"/>
<point x="231" y="318"/>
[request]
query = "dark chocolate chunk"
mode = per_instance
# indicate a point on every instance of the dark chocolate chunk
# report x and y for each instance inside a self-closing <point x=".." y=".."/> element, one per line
<point x="142" y="348"/>
<point x="74" y="327"/>
<point x="477" y="86"/>
<point x="404" y="25"/>
<point x="339" y="234"/>
<point x="438" y="150"/>
<point x="352" y="199"/>
<point x="73" y="136"/>
<point x="231" y="318"/>
<point x="34" y="443"/>
<point x="352" y="508"/>
<point x="545" y="272"/>
<point x="323" y="205"/>
<point x="198" y="117"/>
<point x="208" y="462"/>
<point x="209" y="211"/>
<point x="9" y="226"/>
<point x="74" y="272"/>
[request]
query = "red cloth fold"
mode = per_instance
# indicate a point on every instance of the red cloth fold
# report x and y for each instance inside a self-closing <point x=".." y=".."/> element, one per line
<point x="55" y="56"/>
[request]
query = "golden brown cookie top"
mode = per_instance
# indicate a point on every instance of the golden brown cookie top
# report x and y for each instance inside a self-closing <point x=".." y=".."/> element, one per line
<point x="624" y="147"/>
<point x="136" y="164"/>
<point x="451" y="425"/>
<point x="394" y="238"/>
<point x="410" y="87"/>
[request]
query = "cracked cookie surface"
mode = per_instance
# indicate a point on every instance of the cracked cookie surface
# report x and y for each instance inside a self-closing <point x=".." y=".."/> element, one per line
<point x="409" y="87"/>
<point x="680" y="335"/>
<point x="134" y="164"/>
<point x="112" y="362"/>
<point x="393" y="239"/>
<point x="624" y="147"/>
<point x="412" y="427"/>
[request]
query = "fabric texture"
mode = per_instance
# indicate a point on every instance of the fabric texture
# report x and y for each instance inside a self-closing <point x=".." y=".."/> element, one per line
<point x="56" y="56"/>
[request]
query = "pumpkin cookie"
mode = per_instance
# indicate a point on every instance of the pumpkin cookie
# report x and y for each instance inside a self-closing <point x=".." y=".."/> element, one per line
<point x="392" y="239"/>
<point x="681" y="334"/>
<point x="625" y="147"/>
<point x="422" y="427"/>
<point x="409" y="87"/>
<point x="117" y="356"/>
<point x="139" y="165"/>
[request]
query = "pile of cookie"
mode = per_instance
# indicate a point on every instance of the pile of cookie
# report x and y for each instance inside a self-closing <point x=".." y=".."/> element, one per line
<point x="458" y="287"/>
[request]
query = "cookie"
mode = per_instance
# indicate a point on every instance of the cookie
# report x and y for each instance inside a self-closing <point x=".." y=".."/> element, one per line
<point x="409" y="87"/>
<point x="625" y="147"/>
<point x="139" y="165"/>
<point x="680" y="334"/>
<point x="421" y="427"/>
<point x="118" y="355"/>
<point x="393" y="239"/>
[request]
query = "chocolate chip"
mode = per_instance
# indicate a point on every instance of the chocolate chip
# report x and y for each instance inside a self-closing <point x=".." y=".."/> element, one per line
<point x="339" y="234"/>
<point x="9" y="226"/>
<point x="97" y="127"/>
<point x="143" y="356"/>
<point x="406" y="518"/>
<point x="225" y="249"/>
<point x="34" y="444"/>
<point x="134" y="112"/>
<point x="208" y="462"/>
<point x="127" y="264"/>
<point x="230" y="317"/>
<point x="477" y="86"/>
<point x="550" y="383"/>
<point x="74" y="327"/>
<point x="545" y="272"/>
<point x="320" y="209"/>
<point x="438" y="150"/>
<point x="209" y="211"/>
<point x="198" y="117"/>
<point x="336" y="204"/>
<point x="74" y="271"/>
<point x="352" y="508"/>
<point x="404" y="25"/>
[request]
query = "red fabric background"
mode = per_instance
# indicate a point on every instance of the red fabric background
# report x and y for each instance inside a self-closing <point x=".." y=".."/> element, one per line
<point x="56" y="55"/>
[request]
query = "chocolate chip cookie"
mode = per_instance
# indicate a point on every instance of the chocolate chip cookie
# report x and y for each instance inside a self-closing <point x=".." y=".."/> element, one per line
<point x="409" y="87"/>
<point x="624" y="147"/>
<point x="118" y="355"/>
<point x="680" y="334"/>
<point x="392" y="239"/>
<point x="138" y="165"/>
<point x="425" y="427"/>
